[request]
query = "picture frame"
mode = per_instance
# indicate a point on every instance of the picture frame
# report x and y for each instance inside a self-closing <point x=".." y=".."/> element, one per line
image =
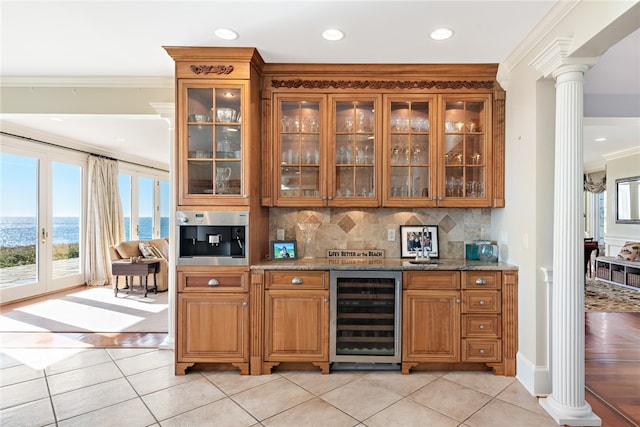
<point x="283" y="250"/>
<point x="411" y="239"/>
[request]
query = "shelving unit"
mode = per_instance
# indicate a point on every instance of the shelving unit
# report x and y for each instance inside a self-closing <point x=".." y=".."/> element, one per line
<point x="618" y="272"/>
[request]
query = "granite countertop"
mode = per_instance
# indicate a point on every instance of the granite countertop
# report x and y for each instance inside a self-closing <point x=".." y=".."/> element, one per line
<point x="381" y="264"/>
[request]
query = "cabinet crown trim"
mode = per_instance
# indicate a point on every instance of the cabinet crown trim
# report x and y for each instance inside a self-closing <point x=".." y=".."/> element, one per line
<point x="383" y="84"/>
<point x="212" y="69"/>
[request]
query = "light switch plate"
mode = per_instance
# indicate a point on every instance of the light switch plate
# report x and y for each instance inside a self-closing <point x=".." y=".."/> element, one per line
<point x="280" y="234"/>
<point x="391" y="235"/>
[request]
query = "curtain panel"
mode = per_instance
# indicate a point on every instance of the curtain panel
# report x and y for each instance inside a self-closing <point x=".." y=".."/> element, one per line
<point x="595" y="182"/>
<point x="105" y="223"/>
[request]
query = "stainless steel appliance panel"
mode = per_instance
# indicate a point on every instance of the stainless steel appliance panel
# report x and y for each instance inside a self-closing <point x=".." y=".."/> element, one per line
<point x="365" y="316"/>
<point x="212" y="238"/>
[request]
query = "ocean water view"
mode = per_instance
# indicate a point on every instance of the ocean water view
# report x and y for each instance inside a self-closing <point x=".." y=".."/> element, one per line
<point x="23" y="231"/>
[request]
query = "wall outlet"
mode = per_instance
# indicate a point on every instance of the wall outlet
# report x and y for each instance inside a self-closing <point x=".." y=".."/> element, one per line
<point x="280" y="234"/>
<point x="391" y="235"/>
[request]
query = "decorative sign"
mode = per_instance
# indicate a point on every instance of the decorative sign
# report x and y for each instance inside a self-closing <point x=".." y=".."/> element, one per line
<point x="355" y="253"/>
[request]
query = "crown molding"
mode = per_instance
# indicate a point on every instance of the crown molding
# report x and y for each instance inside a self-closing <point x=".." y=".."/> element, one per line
<point x="90" y="81"/>
<point x="541" y="31"/>
<point x="622" y="153"/>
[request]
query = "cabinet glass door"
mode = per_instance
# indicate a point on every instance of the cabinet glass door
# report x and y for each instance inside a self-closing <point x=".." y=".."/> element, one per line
<point x="465" y="149"/>
<point x="214" y="145"/>
<point x="354" y="153"/>
<point x="409" y="151"/>
<point x="298" y="134"/>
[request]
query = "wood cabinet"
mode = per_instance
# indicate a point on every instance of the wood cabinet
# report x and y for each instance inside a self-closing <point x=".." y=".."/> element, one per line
<point x="212" y="317"/>
<point x="296" y="310"/>
<point x="325" y="150"/>
<point x="430" y="318"/>
<point x="417" y="136"/>
<point x="217" y="125"/>
<point x="460" y="317"/>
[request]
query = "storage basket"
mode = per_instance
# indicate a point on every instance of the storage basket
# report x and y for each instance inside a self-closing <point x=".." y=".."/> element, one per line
<point x="617" y="276"/>
<point x="602" y="272"/>
<point x="633" y="280"/>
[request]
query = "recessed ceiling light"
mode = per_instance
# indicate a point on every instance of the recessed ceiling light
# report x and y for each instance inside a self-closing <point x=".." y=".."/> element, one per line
<point x="600" y="139"/>
<point x="333" y="34"/>
<point x="225" y="33"/>
<point x="441" y="34"/>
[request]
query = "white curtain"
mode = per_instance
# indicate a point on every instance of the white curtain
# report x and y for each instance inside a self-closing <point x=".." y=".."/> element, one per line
<point x="595" y="182"/>
<point x="105" y="223"/>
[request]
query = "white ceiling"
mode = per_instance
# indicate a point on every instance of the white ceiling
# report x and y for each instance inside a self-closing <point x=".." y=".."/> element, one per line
<point x="60" y="39"/>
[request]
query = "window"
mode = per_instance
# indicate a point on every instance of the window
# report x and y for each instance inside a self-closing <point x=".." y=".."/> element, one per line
<point x="145" y="202"/>
<point x="41" y="218"/>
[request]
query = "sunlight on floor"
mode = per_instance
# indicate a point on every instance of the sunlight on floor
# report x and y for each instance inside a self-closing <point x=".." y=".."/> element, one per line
<point x="41" y="358"/>
<point x="82" y="316"/>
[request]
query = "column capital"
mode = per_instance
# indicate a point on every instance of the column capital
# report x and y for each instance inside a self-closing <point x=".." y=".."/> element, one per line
<point x="555" y="59"/>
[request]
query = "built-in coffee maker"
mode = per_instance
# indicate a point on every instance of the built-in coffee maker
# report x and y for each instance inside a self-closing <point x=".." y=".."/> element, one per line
<point x="212" y="238"/>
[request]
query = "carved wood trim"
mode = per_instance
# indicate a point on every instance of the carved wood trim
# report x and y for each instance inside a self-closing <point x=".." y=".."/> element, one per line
<point x="383" y="84"/>
<point x="257" y="322"/>
<point x="211" y="69"/>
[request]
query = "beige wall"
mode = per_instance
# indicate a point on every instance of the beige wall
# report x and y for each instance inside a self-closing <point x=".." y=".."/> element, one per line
<point x="617" y="234"/>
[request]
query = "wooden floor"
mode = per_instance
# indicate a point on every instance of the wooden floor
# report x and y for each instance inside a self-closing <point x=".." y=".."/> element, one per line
<point x="612" y="359"/>
<point x="612" y="367"/>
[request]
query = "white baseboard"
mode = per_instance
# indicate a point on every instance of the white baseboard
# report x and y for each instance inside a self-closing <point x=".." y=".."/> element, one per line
<point x="536" y="379"/>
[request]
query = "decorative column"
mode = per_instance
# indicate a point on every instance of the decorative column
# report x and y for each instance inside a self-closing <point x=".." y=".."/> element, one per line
<point x="566" y="403"/>
<point x="167" y="111"/>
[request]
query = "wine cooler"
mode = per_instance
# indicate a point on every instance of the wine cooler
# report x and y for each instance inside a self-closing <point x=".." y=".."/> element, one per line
<point x="365" y="319"/>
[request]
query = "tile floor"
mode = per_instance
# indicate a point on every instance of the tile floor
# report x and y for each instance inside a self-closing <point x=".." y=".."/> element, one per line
<point x="136" y="387"/>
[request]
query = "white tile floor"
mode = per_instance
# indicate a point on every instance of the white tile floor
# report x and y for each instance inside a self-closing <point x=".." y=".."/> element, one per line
<point x="137" y="387"/>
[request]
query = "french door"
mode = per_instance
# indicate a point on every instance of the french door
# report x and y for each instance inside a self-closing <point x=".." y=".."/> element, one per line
<point x="41" y="220"/>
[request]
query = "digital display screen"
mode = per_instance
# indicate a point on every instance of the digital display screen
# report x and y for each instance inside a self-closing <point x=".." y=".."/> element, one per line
<point x="199" y="215"/>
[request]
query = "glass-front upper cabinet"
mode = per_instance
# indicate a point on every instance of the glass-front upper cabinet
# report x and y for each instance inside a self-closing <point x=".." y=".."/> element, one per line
<point x="213" y="152"/>
<point x="409" y="147"/>
<point x="300" y="163"/>
<point x="354" y="151"/>
<point x="466" y="151"/>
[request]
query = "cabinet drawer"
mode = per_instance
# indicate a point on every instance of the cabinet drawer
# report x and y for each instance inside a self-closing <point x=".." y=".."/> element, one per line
<point x="478" y="325"/>
<point x="482" y="280"/>
<point x="213" y="280"/>
<point x="481" y="302"/>
<point x="479" y="350"/>
<point x="296" y="279"/>
<point x="431" y="280"/>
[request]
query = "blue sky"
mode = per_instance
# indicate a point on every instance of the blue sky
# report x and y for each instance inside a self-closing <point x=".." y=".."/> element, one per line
<point x="18" y="189"/>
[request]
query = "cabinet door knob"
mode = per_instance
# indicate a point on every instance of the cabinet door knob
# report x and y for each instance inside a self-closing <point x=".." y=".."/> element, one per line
<point x="330" y="197"/>
<point x="296" y="280"/>
<point x="213" y="282"/>
<point x="244" y="303"/>
<point x="482" y="351"/>
<point x="245" y="196"/>
<point x="481" y="281"/>
<point x="481" y="302"/>
<point x="458" y="300"/>
<point x="325" y="299"/>
<point x="481" y="326"/>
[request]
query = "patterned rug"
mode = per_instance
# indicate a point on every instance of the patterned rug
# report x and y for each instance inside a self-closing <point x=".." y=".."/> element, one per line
<point x="600" y="296"/>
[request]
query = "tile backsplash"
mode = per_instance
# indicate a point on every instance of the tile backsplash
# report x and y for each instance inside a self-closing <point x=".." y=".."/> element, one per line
<point x="343" y="228"/>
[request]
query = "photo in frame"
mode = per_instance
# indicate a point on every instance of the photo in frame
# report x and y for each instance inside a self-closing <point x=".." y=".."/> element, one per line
<point x="283" y="250"/>
<point x="415" y="237"/>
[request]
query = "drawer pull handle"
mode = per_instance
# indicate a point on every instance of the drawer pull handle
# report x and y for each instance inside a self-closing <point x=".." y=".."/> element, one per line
<point x="296" y="280"/>
<point x="481" y="326"/>
<point x="213" y="282"/>
<point x="481" y="281"/>
<point x="482" y="351"/>
<point x="481" y="302"/>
